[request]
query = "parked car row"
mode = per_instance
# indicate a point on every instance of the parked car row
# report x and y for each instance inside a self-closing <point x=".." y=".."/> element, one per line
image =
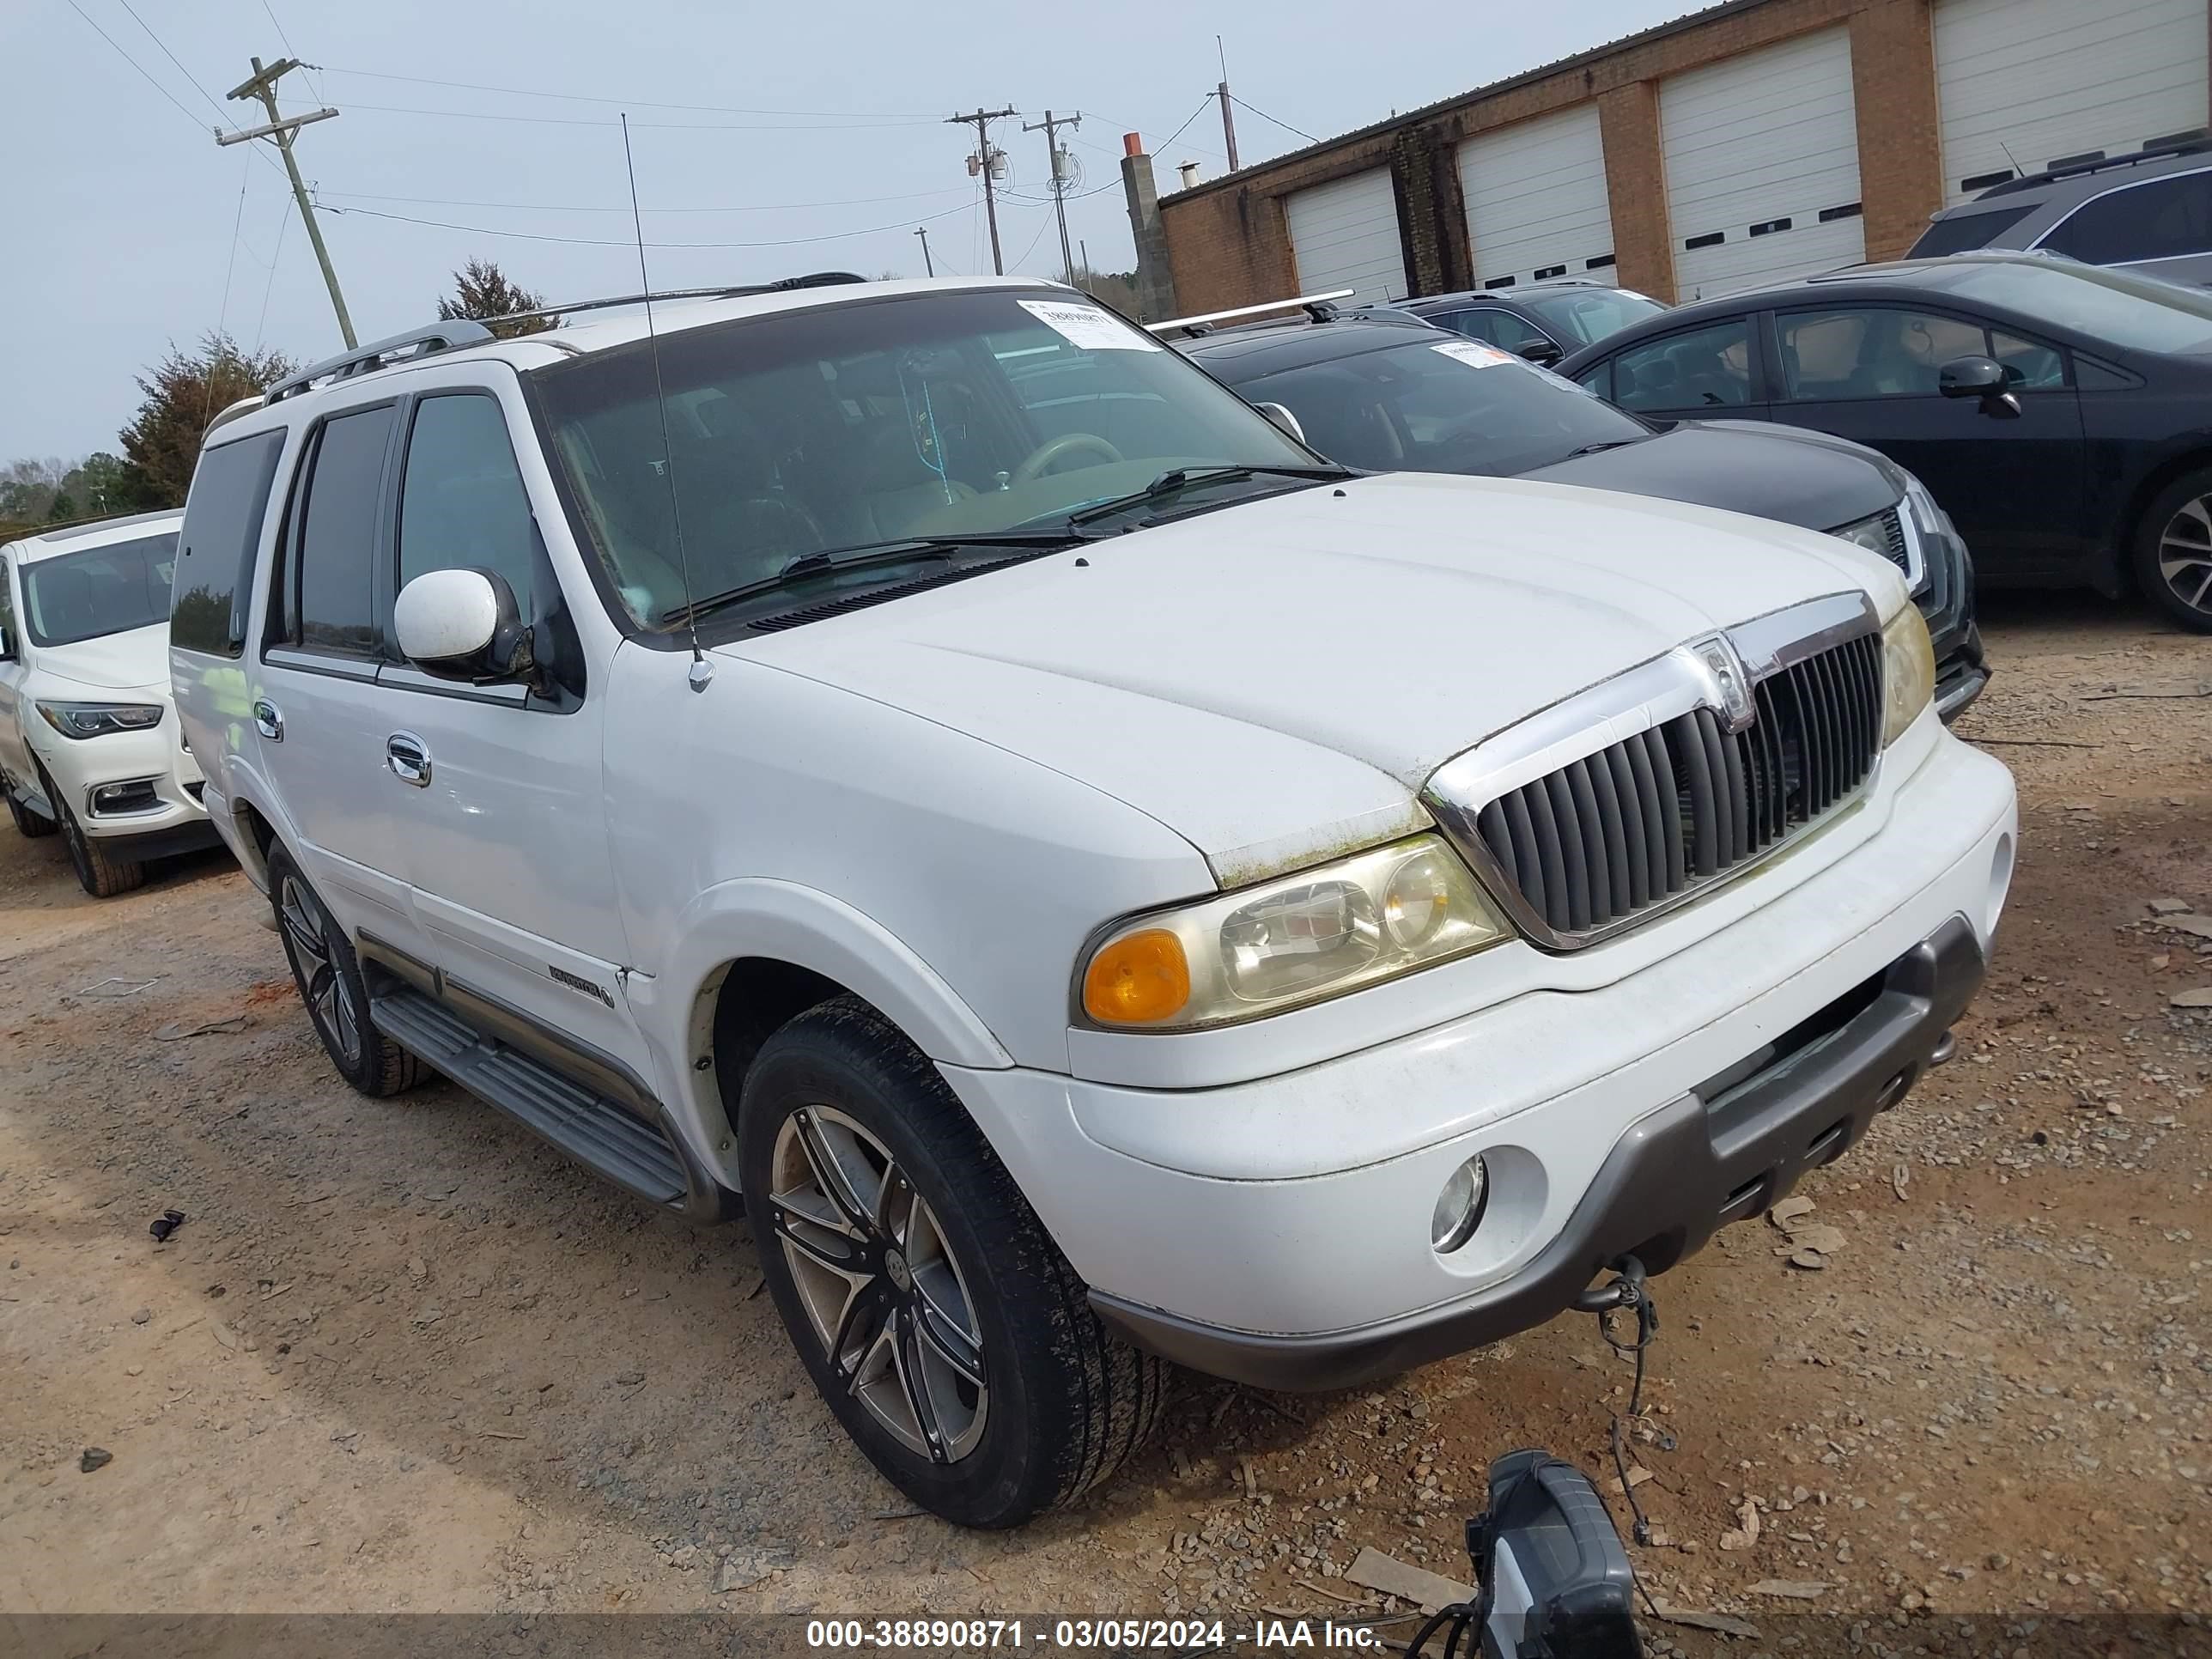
<point x="922" y="765"/>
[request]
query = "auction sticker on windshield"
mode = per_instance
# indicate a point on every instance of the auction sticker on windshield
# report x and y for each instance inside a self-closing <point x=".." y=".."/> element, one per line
<point x="1474" y="355"/>
<point x="1088" y="327"/>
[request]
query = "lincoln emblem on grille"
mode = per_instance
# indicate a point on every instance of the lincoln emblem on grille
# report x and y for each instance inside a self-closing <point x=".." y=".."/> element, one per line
<point x="1645" y="790"/>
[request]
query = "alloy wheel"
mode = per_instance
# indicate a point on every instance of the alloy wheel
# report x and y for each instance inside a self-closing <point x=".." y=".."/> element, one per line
<point x="308" y="942"/>
<point x="2184" y="554"/>
<point x="879" y="1283"/>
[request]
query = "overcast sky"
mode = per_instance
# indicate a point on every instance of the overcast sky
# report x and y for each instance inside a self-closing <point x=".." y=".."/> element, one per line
<point x="806" y="121"/>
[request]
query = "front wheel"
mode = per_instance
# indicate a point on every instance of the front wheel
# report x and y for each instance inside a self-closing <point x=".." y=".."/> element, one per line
<point x="2173" y="551"/>
<point x="948" y="1334"/>
<point x="98" y="872"/>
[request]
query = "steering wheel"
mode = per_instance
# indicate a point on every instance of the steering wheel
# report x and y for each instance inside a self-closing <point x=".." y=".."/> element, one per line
<point x="779" y="516"/>
<point x="1068" y="443"/>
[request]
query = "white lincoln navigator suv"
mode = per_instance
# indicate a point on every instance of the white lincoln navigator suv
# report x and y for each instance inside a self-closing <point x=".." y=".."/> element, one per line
<point x="920" y="764"/>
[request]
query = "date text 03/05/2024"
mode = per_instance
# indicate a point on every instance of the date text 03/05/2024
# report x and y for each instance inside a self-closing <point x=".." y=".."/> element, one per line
<point x="1266" y="1635"/>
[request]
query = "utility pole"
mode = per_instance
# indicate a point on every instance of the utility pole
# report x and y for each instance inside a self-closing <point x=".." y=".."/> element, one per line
<point x="981" y="120"/>
<point x="281" y="132"/>
<point x="1228" y="121"/>
<point x="928" y="264"/>
<point x="1087" y="288"/>
<point x="1049" y="126"/>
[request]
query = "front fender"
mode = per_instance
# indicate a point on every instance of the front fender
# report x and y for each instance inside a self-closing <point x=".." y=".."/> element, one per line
<point x="785" y="922"/>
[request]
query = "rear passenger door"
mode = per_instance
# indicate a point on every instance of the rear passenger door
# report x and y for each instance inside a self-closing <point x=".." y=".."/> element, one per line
<point x="1710" y="373"/>
<point x="496" y="789"/>
<point x="316" y="708"/>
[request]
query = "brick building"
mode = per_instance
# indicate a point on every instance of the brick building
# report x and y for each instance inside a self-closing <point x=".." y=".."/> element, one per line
<point x="1747" y="142"/>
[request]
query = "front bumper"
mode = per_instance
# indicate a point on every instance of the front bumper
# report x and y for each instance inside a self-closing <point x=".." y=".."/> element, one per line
<point x="1276" y="1228"/>
<point x="175" y="821"/>
<point x="1724" y="1152"/>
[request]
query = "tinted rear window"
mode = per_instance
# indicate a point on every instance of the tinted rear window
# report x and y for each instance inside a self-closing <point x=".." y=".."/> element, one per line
<point x="2164" y="219"/>
<point x="222" y="526"/>
<point x="101" y="591"/>
<point x="1967" y="230"/>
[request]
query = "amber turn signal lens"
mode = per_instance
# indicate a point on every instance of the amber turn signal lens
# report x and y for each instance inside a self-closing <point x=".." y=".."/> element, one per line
<point x="1137" y="980"/>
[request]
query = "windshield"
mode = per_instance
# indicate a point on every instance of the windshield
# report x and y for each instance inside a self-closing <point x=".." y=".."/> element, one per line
<point x="2140" y="313"/>
<point x="1585" y="317"/>
<point x="102" y="590"/>
<point x="819" y="431"/>
<point x="1447" y="406"/>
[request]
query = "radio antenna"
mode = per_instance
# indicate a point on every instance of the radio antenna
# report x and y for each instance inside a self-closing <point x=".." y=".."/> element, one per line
<point x="702" y="672"/>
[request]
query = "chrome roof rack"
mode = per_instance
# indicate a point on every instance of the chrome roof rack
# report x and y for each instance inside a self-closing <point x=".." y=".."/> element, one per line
<point x="782" y="285"/>
<point x="1321" y="307"/>
<point x="448" y="335"/>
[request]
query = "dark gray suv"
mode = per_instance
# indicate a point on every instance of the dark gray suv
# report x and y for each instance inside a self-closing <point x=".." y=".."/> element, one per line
<point x="2151" y="211"/>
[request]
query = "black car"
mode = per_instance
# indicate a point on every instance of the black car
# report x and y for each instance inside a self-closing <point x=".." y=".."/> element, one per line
<point x="1388" y="396"/>
<point x="2061" y="412"/>
<point x="1541" y="321"/>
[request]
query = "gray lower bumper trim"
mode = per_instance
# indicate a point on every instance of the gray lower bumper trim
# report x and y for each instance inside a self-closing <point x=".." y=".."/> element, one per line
<point x="1723" y="1153"/>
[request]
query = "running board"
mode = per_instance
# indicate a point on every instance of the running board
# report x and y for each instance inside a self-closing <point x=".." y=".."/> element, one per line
<point x="596" y="1132"/>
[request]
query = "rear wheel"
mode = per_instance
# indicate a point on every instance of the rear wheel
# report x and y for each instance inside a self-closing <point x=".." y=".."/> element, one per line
<point x="29" y="824"/>
<point x="2173" y="551"/>
<point x="328" y="975"/>
<point x="98" y="872"/>
<point x="946" y="1332"/>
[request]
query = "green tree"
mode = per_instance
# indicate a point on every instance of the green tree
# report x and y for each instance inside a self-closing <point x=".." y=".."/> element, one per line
<point x="64" y="508"/>
<point x="183" y="394"/>
<point x="484" y="294"/>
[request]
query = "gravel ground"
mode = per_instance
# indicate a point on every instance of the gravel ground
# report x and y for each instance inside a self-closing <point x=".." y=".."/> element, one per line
<point x="401" y="1357"/>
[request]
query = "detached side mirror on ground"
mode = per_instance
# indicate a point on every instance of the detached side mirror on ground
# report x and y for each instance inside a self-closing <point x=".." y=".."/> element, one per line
<point x="463" y="625"/>
<point x="1542" y="352"/>
<point x="1982" y="378"/>
<point x="1281" y="416"/>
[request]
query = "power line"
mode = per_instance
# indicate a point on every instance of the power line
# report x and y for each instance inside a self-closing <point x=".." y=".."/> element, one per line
<point x="571" y="206"/>
<point x="665" y="126"/>
<point x="220" y="117"/>
<point x="917" y="116"/>
<point x="1264" y="115"/>
<point x="1204" y="105"/>
<point x="1043" y="225"/>
<point x="285" y="40"/>
<point x="602" y="241"/>
<point x="261" y="325"/>
<point x="136" y="65"/>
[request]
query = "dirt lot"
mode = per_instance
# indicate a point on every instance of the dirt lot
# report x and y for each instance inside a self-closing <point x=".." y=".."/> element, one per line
<point x="402" y="1357"/>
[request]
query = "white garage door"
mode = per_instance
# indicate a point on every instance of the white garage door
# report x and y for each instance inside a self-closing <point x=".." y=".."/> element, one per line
<point x="2050" y="80"/>
<point x="1535" y="198"/>
<point x="1344" y="235"/>
<point x="1762" y="158"/>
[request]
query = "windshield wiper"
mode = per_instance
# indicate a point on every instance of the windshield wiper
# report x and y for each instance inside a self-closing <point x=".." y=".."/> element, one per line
<point x="909" y="549"/>
<point x="1601" y="447"/>
<point x="1178" y="479"/>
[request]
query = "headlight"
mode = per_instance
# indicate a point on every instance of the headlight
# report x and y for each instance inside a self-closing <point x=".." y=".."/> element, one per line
<point x="97" y="720"/>
<point x="1908" y="671"/>
<point x="1294" y="940"/>
<point x="1871" y="533"/>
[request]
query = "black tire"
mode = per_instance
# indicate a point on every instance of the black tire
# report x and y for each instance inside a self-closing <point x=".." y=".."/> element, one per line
<point x="1063" y="1403"/>
<point x="98" y="872"/>
<point x="328" y="976"/>
<point x="28" y="824"/>
<point x="2173" y="551"/>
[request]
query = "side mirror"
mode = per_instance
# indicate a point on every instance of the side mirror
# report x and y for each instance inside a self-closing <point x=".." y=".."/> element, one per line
<point x="1282" y="417"/>
<point x="1982" y="378"/>
<point x="1542" y="352"/>
<point x="463" y="625"/>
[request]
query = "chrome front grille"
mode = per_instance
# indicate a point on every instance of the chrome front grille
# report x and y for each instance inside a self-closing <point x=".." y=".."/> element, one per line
<point x="1630" y="827"/>
<point x="1893" y="531"/>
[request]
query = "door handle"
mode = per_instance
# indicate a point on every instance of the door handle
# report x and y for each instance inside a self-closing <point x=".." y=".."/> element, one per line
<point x="267" y="720"/>
<point x="409" y="757"/>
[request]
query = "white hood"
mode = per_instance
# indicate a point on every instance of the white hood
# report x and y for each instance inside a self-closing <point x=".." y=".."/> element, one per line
<point x="129" y="661"/>
<point x="1276" y="680"/>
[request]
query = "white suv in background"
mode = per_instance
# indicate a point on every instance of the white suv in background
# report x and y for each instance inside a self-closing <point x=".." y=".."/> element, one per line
<point x="88" y="741"/>
<point x="1094" y="882"/>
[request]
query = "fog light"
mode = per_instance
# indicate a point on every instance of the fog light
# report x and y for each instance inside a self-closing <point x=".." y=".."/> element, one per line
<point x="137" y="796"/>
<point x="1459" y="1206"/>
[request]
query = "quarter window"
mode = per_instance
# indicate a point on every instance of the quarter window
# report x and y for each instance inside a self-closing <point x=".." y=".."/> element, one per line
<point x="1878" y="352"/>
<point x="335" y="587"/>
<point x="1704" y="369"/>
<point x="2164" y="219"/>
<point x="462" y="502"/>
<point x="222" y="526"/>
